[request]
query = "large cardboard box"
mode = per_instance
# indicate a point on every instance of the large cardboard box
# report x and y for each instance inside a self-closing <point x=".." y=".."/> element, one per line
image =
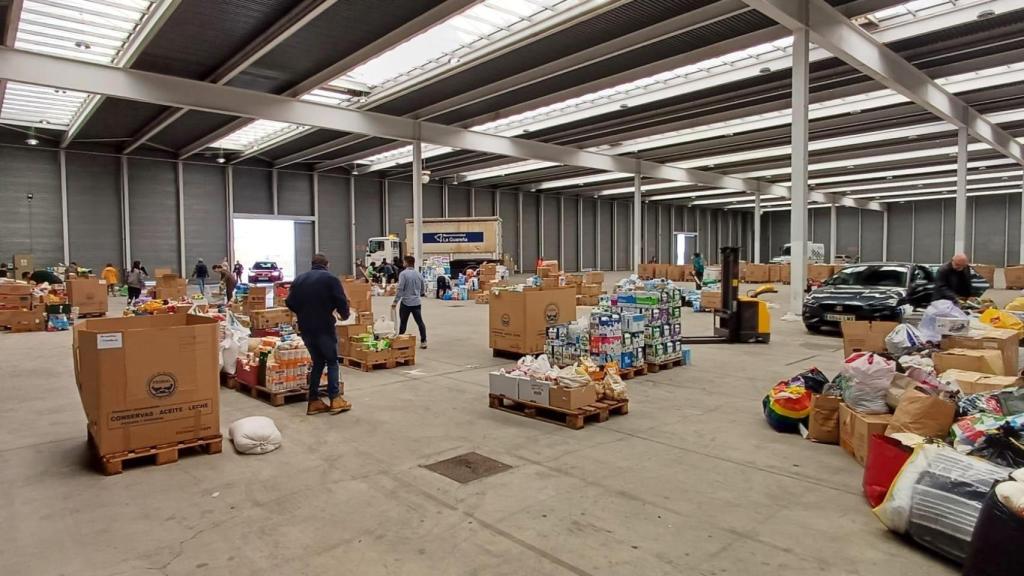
<point x="986" y="361"/>
<point x="148" y="380"/>
<point x="170" y="287"/>
<point x="646" y="271"/>
<point x="593" y="278"/>
<point x="15" y="289"/>
<point x="89" y="296"/>
<point x="856" y="430"/>
<point x="16" y="301"/>
<point x="1007" y="342"/>
<point x="533" y="391"/>
<point x="23" y="320"/>
<point x="676" y="273"/>
<point x="519" y="320"/>
<point x="865" y="335"/>
<point x="504" y="385"/>
<point x="271" y="318"/>
<point x="1014" y="276"/>
<point x="661" y="270"/>
<point x="549" y="282"/>
<point x="161" y="272"/>
<point x="572" y="398"/>
<point x="823" y="423"/>
<point x="358" y="294"/>
<point x="978" y="382"/>
<point x="710" y="300"/>
<point x="757" y="273"/>
<point x="986" y="271"/>
<point x="819" y="272"/>
<point x="590" y="290"/>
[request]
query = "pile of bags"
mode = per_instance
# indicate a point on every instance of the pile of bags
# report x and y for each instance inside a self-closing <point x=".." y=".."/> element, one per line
<point x="606" y="379"/>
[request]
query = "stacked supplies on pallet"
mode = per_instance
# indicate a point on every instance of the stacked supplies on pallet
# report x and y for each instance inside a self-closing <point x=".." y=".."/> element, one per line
<point x="661" y="305"/>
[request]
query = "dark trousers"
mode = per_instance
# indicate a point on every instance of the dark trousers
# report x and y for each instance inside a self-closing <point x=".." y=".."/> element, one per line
<point x="417" y="315"/>
<point x="133" y="293"/>
<point x="323" y="348"/>
<point x="699" y="279"/>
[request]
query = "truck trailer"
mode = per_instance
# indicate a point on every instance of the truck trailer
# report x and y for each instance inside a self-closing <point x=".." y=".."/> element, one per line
<point x="467" y="242"/>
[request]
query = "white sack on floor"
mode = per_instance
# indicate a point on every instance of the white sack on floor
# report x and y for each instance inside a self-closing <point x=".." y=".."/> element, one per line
<point x="255" y="435"/>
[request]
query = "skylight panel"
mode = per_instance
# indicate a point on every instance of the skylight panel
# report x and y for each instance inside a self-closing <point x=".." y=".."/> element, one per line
<point x="256" y="134"/>
<point x="99" y="31"/>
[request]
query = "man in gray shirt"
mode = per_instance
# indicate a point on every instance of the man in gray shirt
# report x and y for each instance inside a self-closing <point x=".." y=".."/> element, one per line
<point x="410" y="289"/>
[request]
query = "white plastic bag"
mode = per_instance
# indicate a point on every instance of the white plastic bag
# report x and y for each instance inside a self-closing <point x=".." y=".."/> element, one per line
<point x="938" y="309"/>
<point x="903" y="339"/>
<point x="234" y="343"/>
<point x="384" y="327"/>
<point x="254" y="435"/>
<point x="870" y="376"/>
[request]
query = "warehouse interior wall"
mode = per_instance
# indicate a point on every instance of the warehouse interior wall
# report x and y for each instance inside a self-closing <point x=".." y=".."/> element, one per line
<point x="335" y="221"/>
<point x="588" y="234"/>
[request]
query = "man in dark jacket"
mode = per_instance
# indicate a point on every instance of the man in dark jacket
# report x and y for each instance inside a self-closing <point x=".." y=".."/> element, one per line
<point x="314" y="297"/>
<point x="953" y="280"/>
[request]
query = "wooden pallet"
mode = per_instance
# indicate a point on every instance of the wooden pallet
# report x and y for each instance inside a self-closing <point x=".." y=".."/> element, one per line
<point x="278" y="398"/>
<point x="630" y="373"/>
<point x="507" y="354"/>
<point x="111" y="464"/>
<point x="655" y="367"/>
<point x="92" y="314"/>
<point x="357" y="364"/>
<point x="575" y="419"/>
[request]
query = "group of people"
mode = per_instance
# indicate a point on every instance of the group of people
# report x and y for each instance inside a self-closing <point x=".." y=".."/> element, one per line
<point x="382" y="273"/>
<point x="316" y="296"/>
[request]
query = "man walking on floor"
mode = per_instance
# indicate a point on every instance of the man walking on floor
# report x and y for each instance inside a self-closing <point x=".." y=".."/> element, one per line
<point x="314" y="297"/>
<point x="410" y="289"/>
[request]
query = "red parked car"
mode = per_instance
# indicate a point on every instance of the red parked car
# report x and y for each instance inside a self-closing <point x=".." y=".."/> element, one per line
<point x="265" y="272"/>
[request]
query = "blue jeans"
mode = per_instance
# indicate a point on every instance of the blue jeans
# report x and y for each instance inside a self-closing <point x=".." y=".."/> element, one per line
<point x="417" y="315"/>
<point x="323" y="348"/>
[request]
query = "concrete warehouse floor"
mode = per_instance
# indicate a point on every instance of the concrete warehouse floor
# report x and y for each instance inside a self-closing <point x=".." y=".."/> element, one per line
<point x="692" y="481"/>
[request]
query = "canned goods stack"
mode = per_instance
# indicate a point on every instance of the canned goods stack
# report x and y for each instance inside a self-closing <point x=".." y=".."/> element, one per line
<point x="605" y="336"/>
<point x="661" y="306"/>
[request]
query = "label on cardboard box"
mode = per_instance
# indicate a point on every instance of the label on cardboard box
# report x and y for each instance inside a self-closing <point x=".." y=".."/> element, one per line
<point x="161" y="413"/>
<point x="108" y="341"/>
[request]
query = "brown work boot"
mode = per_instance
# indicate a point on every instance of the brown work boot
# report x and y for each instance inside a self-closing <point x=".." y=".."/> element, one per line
<point x="316" y="407"/>
<point x="339" y="405"/>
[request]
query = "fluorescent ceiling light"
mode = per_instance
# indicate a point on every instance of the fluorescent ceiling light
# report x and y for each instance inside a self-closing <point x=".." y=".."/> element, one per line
<point x="257" y="133"/>
<point x="942" y="196"/>
<point x="732" y="199"/>
<point x="905" y="171"/>
<point x="579" y="181"/>
<point x="99" y="31"/>
<point x="904" y="183"/>
<point x="696" y="194"/>
<point x="643" y="188"/>
<point x="927" y="190"/>
<point x="504" y="170"/>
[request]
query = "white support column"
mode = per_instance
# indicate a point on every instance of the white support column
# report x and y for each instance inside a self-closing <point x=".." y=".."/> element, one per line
<point x="352" y="218"/>
<point x="229" y="199"/>
<point x="638" y="233"/>
<point x="960" y="214"/>
<point x="417" y="203"/>
<point x="519" y="235"/>
<point x="579" y="232"/>
<point x="657" y="234"/>
<point x="672" y="234"/>
<point x="597" y="234"/>
<point x="64" y="203"/>
<point x="1020" y="254"/>
<point x="181" y="218"/>
<point x="757" y="228"/>
<point x="472" y="202"/>
<point x="316" y="213"/>
<point x="561" y="231"/>
<point x="615" y="234"/>
<point x="273" y="189"/>
<point x="384" y="207"/>
<point x="444" y="199"/>
<point x="540" y="227"/>
<point x="126" y="220"/>
<point x="885" y="235"/>
<point x="833" y="220"/>
<point x="798" y="214"/>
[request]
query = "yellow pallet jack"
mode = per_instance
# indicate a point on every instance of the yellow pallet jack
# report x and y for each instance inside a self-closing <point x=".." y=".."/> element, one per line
<point x="741" y="319"/>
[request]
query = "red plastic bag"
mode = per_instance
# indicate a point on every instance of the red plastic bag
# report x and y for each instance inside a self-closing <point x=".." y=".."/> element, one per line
<point x="886" y="457"/>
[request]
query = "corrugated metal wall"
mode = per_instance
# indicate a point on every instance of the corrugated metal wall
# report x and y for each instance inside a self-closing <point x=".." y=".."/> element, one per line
<point x="369" y="212"/>
<point x="31" y="226"/>
<point x="571" y="234"/>
<point x="433" y="201"/>
<point x="650" y="235"/>
<point x="94" y="210"/>
<point x="871" y="235"/>
<point x="458" y="201"/>
<point x="588" y="235"/>
<point x="153" y="207"/>
<point x="303" y="248"/>
<point x="847" y="232"/>
<point x="253" y="190"/>
<point x="623" y="240"/>
<point x="509" y="214"/>
<point x="399" y="207"/>
<point x="607" y="235"/>
<point x="294" y="193"/>
<point x="206" y="228"/>
<point x="531" y="231"/>
<point x="483" y="202"/>
<point x="335" y="221"/>
<point x="549" y="228"/>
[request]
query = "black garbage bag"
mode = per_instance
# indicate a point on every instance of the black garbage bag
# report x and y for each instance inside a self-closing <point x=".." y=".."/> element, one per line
<point x="995" y="548"/>
<point x="1003" y="446"/>
<point x="814" y="380"/>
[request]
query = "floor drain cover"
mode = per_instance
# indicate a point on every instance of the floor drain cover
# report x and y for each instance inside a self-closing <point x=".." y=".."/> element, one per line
<point x="468" y="467"/>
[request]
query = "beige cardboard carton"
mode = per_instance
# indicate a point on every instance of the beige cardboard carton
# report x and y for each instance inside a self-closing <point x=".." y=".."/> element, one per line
<point x="519" y="320"/>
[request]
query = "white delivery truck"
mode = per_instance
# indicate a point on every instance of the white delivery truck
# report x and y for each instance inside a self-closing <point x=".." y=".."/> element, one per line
<point x="815" y="254"/>
<point x="467" y="242"/>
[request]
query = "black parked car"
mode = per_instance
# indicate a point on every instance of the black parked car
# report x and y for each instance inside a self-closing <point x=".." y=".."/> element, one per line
<point x="978" y="283"/>
<point x="869" y="291"/>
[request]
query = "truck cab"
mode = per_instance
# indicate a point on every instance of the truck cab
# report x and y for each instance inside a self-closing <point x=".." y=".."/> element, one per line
<point x="382" y="248"/>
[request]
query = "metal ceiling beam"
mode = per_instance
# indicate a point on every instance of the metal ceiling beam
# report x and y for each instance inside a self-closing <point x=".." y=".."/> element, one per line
<point x="265" y="42"/>
<point x="411" y="28"/>
<point x="137" y="42"/>
<point x="691" y="20"/>
<point x="43" y="70"/>
<point x="10" y="32"/>
<point x="833" y="31"/>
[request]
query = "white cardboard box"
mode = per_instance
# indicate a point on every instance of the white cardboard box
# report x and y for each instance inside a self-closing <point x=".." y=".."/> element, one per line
<point x="534" y="391"/>
<point x="504" y="385"/>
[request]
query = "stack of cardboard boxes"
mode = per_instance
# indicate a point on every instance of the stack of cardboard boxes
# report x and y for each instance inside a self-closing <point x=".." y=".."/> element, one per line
<point x="88" y="295"/>
<point x="1014" y="276"/>
<point x="589" y="286"/>
<point x="258" y="298"/>
<point x="18" y="309"/>
<point x="358" y="294"/>
<point x="359" y="323"/>
<point x="541" y="392"/>
<point x="986" y="271"/>
<point x="170" y="286"/>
